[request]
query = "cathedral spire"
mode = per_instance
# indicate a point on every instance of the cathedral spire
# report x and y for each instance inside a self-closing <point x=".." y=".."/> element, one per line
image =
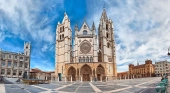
<point x="65" y="17"/>
<point x="93" y="26"/>
<point x="104" y="15"/>
<point x="76" y="27"/>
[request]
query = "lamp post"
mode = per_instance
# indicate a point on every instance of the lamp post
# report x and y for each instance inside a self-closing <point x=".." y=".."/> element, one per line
<point x="169" y="51"/>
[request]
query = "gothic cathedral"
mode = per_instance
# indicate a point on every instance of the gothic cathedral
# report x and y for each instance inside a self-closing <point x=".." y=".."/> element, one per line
<point x="90" y="56"/>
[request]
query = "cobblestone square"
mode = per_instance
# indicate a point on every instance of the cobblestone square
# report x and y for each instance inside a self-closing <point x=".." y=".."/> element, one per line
<point x="140" y="85"/>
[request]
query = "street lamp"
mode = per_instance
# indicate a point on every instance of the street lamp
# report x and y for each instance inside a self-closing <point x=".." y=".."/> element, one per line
<point x="169" y="51"/>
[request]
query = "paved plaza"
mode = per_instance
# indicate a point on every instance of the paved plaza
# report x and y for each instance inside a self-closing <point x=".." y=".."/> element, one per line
<point x="143" y="85"/>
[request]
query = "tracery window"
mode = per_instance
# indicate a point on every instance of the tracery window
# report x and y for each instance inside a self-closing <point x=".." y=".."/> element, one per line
<point x="83" y="59"/>
<point x="84" y="32"/>
<point x="87" y="59"/>
<point x="85" y="26"/>
<point x="79" y="59"/>
<point x="91" y="59"/>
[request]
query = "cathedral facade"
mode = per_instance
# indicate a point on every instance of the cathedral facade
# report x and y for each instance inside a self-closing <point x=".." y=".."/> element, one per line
<point x="90" y="56"/>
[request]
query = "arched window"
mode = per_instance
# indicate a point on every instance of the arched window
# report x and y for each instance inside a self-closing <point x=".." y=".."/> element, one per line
<point x="60" y="37"/>
<point x="2" y="71"/>
<point x="107" y="35"/>
<point x="79" y="59"/>
<point x="84" y="32"/>
<point x="91" y="59"/>
<point x="108" y="45"/>
<point x="83" y="59"/>
<point x="107" y="27"/>
<point x="85" y="26"/>
<point x="8" y="72"/>
<point x="87" y="59"/>
<point x="63" y="36"/>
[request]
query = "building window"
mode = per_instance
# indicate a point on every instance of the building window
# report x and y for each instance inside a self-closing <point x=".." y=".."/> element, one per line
<point x="107" y="27"/>
<point x="62" y="29"/>
<point x="26" y="59"/>
<point x="26" y="65"/>
<point x="108" y="45"/>
<point x="84" y="32"/>
<point x="20" y="64"/>
<point x="15" y="64"/>
<point x="83" y="59"/>
<point x="62" y="36"/>
<point x="87" y="59"/>
<point x="8" y="72"/>
<point x="79" y="59"/>
<point x="20" y="73"/>
<point x="2" y="71"/>
<point x="21" y="58"/>
<point x="15" y="57"/>
<point x="107" y="35"/>
<point x="9" y="64"/>
<point x="3" y="63"/>
<point x="9" y="56"/>
<point x="85" y="26"/>
<point x="91" y="59"/>
<point x="14" y="72"/>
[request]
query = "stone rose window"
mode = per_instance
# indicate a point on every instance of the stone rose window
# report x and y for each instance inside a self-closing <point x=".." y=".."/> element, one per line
<point x="85" y="47"/>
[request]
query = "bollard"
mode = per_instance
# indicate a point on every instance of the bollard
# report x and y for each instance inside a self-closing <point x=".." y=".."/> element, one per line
<point x="58" y="79"/>
<point x="101" y="79"/>
<point x="71" y="78"/>
<point x="81" y="79"/>
<point x="91" y="78"/>
<point x="65" y="79"/>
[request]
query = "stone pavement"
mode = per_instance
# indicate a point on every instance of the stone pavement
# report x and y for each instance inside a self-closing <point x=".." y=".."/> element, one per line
<point x="144" y="85"/>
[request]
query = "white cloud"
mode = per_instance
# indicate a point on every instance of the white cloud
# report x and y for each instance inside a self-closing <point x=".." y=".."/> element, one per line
<point x="142" y="27"/>
<point x="44" y="48"/>
<point x="24" y="14"/>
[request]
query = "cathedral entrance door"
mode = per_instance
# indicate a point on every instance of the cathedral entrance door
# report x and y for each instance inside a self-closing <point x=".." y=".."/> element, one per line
<point x="98" y="77"/>
<point x="86" y="72"/>
<point x="71" y="73"/>
<point x="86" y="77"/>
<point x="100" y="73"/>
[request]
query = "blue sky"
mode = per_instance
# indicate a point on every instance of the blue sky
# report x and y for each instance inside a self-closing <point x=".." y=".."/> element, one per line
<point x="141" y="27"/>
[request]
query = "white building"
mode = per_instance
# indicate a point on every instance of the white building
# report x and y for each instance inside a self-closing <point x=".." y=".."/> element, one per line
<point x="15" y="64"/>
<point x="162" y="67"/>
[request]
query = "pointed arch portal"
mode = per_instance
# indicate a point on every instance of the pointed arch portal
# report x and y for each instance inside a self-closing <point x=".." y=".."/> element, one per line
<point x="72" y="73"/>
<point x="100" y="72"/>
<point x="86" y="72"/>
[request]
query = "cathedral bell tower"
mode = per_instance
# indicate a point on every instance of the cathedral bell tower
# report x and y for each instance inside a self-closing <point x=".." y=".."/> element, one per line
<point x="63" y="46"/>
<point x="107" y="43"/>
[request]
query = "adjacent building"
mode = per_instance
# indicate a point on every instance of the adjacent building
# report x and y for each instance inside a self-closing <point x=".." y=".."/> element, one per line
<point x="90" y="55"/>
<point x="36" y="73"/>
<point x="143" y="70"/>
<point x="14" y="64"/>
<point x="162" y="68"/>
<point x="123" y="75"/>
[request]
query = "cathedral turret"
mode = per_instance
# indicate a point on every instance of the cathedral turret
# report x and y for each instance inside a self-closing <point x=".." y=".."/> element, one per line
<point x="63" y="46"/>
<point x="106" y="42"/>
<point x="76" y="29"/>
<point x="93" y="26"/>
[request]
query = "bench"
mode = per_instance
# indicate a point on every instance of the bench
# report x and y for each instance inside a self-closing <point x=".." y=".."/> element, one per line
<point x="162" y="86"/>
<point x="34" y="81"/>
